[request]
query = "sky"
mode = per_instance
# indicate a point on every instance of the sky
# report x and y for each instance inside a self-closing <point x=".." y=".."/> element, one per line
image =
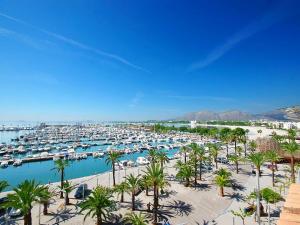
<point x="142" y="60"/>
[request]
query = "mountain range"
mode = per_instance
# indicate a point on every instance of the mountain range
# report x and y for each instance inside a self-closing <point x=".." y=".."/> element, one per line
<point x="282" y="114"/>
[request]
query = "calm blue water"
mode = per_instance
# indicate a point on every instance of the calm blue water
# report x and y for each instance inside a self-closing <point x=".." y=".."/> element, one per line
<point x="43" y="171"/>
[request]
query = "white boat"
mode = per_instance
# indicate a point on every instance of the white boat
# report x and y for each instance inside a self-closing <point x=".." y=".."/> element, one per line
<point x="142" y="161"/>
<point x="4" y="164"/>
<point x="17" y="162"/>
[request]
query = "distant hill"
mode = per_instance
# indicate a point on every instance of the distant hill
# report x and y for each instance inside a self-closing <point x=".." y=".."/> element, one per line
<point x="283" y="114"/>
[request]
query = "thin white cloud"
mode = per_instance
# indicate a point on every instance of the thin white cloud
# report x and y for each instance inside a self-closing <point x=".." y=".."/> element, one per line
<point x="77" y="44"/>
<point x="136" y="99"/>
<point x="210" y="98"/>
<point x="273" y="16"/>
<point x="19" y="37"/>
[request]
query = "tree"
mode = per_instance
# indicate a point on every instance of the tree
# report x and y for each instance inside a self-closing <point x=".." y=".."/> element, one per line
<point x="120" y="189"/>
<point x="3" y="185"/>
<point x="112" y="158"/>
<point x="25" y="195"/>
<point x="152" y="154"/>
<point x="291" y="148"/>
<point x="241" y="214"/>
<point x="225" y="135"/>
<point x="45" y="198"/>
<point x="145" y="184"/>
<point x="133" y="184"/>
<point x="60" y="166"/>
<point x="273" y="157"/>
<point x="291" y="135"/>
<point x="135" y="219"/>
<point x="185" y="173"/>
<point x="195" y="159"/>
<point x="184" y="150"/>
<point x="156" y="178"/>
<point x="235" y="159"/>
<point x="99" y="204"/>
<point x="253" y="146"/>
<point x="67" y="188"/>
<point x="162" y="158"/>
<point x="214" y="151"/>
<point x="222" y="181"/>
<point x="258" y="160"/>
<point x="236" y="136"/>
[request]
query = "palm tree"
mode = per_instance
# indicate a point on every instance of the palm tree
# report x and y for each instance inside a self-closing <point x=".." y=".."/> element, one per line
<point x="222" y="181"/>
<point x="25" y="195"/>
<point x="133" y="183"/>
<point x="155" y="178"/>
<point x="292" y="135"/>
<point x="135" y="219"/>
<point x="242" y="214"/>
<point x="258" y="160"/>
<point x="145" y="184"/>
<point x="68" y="188"/>
<point x="235" y="159"/>
<point x="162" y="158"/>
<point x="3" y="185"/>
<point x="60" y="166"/>
<point x="121" y="189"/>
<point x="112" y="158"/>
<point x="223" y="172"/>
<point x="252" y="145"/>
<point x="236" y="135"/>
<point x="214" y="151"/>
<point x="184" y="150"/>
<point x="273" y="157"/>
<point x="99" y="204"/>
<point x="47" y="195"/>
<point x="185" y="173"/>
<point x="291" y="148"/>
<point x="152" y="154"/>
<point x="194" y="159"/>
<point x="225" y="135"/>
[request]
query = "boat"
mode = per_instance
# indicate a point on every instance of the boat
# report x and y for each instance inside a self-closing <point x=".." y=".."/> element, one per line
<point x="6" y="157"/>
<point x="17" y="162"/>
<point x="142" y="161"/>
<point x="4" y="164"/>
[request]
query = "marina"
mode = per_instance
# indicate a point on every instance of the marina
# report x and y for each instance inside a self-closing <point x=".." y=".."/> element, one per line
<point x="32" y="154"/>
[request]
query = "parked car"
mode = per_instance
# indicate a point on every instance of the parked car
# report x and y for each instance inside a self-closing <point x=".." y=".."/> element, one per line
<point x="12" y="212"/>
<point x="222" y="160"/>
<point x="81" y="191"/>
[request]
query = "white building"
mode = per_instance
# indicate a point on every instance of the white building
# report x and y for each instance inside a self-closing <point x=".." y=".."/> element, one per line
<point x="193" y="124"/>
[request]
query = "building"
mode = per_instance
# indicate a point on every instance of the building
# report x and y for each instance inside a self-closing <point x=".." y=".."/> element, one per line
<point x="193" y="124"/>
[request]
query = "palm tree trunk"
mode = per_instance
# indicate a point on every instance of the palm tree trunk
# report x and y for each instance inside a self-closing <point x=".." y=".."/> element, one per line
<point x="122" y="197"/>
<point x="293" y="169"/>
<point x="45" y="210"/>
<point x="25" y="218"/>
<point x="113" y="170"/>
<point x="147" y="191"/>
<point x="227" y="149"/>
<point x="185" y="157"/>
<point x="216" y="163"/>
<point x="235" y="146"/>
<point x="273" y="175"/>
<point x="155" y="205"/>
<point x="195" y="181"/>
<point x="29" y="218"/>
<point x="132" y="201"/>
<point x="99" y="220"/>
<point x="237" y="166"/>
<point x="67" y="199"/>
<point x="245" y="148"/>
<point x="257" y="196"/>
<point x="62" y="184"/>
<point x="200" y="170"/>
<point x="222" y="191"/>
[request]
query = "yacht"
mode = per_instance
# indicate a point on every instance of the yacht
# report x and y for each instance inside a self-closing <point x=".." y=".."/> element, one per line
<point x="17" y="162"/>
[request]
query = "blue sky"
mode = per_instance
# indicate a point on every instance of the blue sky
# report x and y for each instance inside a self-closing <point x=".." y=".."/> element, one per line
<point x="136" y="60"/>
